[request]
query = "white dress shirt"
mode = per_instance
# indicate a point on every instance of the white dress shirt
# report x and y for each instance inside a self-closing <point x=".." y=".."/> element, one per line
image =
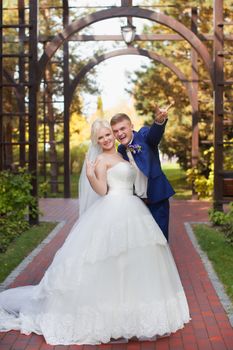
<point x="141" y="180"/>
<point x="140" y="185"/>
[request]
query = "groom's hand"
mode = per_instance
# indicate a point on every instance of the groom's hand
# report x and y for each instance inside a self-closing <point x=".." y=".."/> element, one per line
<point x="161" y="114"/>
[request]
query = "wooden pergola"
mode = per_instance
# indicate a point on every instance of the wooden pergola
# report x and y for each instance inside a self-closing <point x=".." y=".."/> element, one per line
<point x="32" y="74"/>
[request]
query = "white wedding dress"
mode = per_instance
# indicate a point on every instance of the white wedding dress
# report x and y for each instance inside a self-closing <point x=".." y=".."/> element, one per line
<point x="113" y="277"/>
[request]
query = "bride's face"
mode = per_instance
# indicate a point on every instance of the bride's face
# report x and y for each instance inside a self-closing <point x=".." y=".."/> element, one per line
<point x="105" y="138"/>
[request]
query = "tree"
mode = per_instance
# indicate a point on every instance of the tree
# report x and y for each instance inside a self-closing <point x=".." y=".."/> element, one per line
<point x="53" y="92"/>
<point x="156" y="84"/>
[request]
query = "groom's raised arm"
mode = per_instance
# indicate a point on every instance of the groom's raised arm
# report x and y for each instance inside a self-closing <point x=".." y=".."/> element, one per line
<point x="155" y="132"/>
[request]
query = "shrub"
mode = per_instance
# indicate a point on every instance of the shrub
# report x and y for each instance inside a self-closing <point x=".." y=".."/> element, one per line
<point x="224" y="221"/>
<point x="202" y="176"/>
<point x="15" y="200"/>
<point x="217" y="218"/>
<point x="228" y="231"/>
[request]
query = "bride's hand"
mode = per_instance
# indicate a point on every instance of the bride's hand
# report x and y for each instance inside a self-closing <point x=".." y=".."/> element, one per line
<point x="90" y="168"/>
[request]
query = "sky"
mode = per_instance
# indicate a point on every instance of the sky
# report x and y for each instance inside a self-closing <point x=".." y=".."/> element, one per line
<point x="113" y="81"/>
<point x="112" y="73"/>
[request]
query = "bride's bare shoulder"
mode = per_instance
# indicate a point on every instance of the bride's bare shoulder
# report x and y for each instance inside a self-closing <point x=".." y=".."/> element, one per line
<point x="102" y="159"/>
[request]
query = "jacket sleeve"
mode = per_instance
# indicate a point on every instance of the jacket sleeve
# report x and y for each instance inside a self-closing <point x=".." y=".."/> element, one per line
<point x="120" y="149"/>
<point x="153" y="134"/>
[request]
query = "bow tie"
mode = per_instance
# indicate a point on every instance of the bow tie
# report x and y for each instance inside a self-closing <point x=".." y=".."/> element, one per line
<point x="134" y="148"/>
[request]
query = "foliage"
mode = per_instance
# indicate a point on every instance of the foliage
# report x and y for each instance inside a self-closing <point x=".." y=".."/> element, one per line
<point x="14" y="203"/>
<point x="228" y="229"/>
<point x="217" y="218"/>
<point x="156" y="84"/>
<point x="166" y="87"/>
<point x="224" y="221"/>
<point x="202" y="176"/>
<point x="50" y="114"/>
<point x="77" y="157"/>
<point x="22" y="246"/>
<point x="43" y="189"/>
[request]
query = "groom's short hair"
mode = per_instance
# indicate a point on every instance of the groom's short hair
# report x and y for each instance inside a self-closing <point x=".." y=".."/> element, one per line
<point x="119" y="117"/>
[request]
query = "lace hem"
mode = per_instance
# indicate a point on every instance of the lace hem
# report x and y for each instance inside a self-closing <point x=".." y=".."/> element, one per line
<point x="100" y="324"/>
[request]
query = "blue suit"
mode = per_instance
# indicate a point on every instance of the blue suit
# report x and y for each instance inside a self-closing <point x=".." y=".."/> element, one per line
<point x="158" y="189"/>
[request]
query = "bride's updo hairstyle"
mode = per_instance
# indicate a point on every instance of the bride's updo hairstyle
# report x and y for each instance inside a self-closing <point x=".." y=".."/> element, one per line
<point x="96" y="126"/>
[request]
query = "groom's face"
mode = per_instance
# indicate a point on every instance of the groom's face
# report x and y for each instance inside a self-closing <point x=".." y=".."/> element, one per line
<point x="123" y="131"/>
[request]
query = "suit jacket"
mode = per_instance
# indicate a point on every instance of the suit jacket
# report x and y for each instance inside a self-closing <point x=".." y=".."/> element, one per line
<point x="148" y="161"/>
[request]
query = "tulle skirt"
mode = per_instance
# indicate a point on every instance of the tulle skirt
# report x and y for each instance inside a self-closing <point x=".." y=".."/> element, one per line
<point x="113" y="277"/>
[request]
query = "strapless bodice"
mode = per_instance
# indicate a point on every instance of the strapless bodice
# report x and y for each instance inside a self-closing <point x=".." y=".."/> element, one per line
<point x="120" y="178"/>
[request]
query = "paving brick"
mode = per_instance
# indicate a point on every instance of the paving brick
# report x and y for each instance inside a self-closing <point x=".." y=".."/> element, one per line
<point x="147" y="345"/>
<point x="80" y="347"/>
<point x="218" y="344"/>
<point x="45" y="346"/>
<point x="191" y="347"/>
<point x="5" y="346"/>
<point x="9" y="338"/>
<point x="204" y="344"/>
<point x="162" y="344"/>
<point x="35" y="342"/>
<point x="21" y="342"/>
<point x="228" y="339"/>
<point x="209" y="328"/>
<point x="90" y="347"/>
<point x="201" y="333"/>
<point x="2" y="334"/>
<point x="109" y="346"/>
<point x="134" y="346"/>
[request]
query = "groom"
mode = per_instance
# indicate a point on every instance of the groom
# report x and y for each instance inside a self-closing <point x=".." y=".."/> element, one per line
<point x="141" y="149"/>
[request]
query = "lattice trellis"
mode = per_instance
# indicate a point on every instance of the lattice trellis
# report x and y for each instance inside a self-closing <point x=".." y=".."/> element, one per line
<point x="28" y="88"/>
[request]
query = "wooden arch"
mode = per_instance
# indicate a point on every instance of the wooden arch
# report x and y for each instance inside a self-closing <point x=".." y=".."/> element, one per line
<point x="132" y="51"/>
<point x="117" y="12"/>
<point x="158" y="17"/>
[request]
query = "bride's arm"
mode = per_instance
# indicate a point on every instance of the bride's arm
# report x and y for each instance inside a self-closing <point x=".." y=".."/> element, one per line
<point x="97" y="176"/>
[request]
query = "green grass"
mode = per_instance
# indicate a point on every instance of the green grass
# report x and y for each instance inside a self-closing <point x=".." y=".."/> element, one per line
<point x="219" y="253"/>
<point x="22" y="246"/>
<point x="177" y="178"/>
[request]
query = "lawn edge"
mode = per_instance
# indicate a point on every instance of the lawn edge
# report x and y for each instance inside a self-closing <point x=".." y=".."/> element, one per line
<point x="217" y="284"/>
<point x="28" y="259"/>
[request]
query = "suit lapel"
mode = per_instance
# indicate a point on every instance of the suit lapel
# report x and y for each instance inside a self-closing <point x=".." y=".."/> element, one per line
<point x="122" y="150"/>
<point x="141" y="158"/>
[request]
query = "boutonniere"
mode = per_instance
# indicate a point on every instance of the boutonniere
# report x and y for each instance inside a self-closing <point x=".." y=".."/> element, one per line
<point x="134" y="148"/>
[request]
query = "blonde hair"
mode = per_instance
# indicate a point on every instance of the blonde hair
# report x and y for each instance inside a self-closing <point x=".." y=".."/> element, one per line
<point x="96" y="126"/>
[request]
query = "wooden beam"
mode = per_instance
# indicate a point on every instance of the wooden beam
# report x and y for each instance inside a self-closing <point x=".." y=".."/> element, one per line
<point x="218" y="46"/>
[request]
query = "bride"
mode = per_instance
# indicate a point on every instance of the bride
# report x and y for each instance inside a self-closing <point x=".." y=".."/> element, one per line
<point x="114" y="276"/>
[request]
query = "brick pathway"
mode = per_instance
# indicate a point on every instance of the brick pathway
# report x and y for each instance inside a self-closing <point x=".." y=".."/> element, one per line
<point x="209" y="328"/>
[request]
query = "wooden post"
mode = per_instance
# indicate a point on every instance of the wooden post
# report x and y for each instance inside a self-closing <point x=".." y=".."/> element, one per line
<point x="195" y="112"/>
<point x="218" y="103"/>
<point x="66" y="105"/>
<point x="33" y="87"/>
